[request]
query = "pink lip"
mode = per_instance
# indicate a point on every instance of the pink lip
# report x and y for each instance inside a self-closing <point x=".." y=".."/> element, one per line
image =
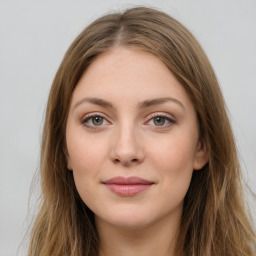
<point x="130" y="186"/>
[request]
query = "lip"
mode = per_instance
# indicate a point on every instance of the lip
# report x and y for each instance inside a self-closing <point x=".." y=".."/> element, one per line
<point x="127" y="186"/>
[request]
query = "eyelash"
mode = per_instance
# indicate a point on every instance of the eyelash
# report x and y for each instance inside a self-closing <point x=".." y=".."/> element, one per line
<point x="90" y="117"/>
<point x="165" y="117"/>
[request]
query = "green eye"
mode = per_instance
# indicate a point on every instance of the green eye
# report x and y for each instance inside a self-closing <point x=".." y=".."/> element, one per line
<point x="97" y="120"/>
<point x="159" y="120"/>
<point x="94" y="121"/>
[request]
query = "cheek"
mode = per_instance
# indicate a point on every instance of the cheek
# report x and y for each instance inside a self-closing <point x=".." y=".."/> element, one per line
<point x="176" y="153"/>
<point x="86" y="157"/>
<point x="85" y="172"/>
<point x="85" y="152"/>
<point x="174" y="164"/>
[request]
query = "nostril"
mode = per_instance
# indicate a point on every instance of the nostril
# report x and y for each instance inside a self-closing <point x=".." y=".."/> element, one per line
<point x="126" y="162"/>
<point x="117" y="161"/>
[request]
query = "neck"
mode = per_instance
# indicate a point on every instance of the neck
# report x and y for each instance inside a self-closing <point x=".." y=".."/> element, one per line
<point x="158" y="239"/>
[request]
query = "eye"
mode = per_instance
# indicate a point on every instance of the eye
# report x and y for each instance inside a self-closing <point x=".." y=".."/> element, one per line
<point x="94" y="121"/>
<point x="161" y="121"/>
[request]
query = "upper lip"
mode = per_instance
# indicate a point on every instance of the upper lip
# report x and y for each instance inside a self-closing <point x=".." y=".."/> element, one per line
<point x="133" y="180"/>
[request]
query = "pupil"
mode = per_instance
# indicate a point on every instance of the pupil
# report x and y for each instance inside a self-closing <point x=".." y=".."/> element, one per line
<point x="97" y="120"/>
<point x="159" y="120"/>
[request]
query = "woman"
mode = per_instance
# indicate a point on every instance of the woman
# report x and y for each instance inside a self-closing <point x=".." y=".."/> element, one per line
<point x="138" y="156"/>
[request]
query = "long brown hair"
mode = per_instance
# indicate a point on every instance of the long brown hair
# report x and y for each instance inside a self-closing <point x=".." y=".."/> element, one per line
<point x="214" y="221"/>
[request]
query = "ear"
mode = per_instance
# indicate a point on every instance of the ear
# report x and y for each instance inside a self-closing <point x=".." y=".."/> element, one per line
<point x="201" y="155"/>
<point x="69" y="164"/>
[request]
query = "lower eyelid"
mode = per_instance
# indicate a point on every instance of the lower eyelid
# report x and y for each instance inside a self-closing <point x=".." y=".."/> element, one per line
<point x="167" y="123"/>
<point x="87" y="117"/>
<point x="86" y="121"/>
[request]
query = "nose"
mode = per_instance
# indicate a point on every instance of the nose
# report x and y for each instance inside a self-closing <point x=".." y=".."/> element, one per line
<point x="126" y="148"/>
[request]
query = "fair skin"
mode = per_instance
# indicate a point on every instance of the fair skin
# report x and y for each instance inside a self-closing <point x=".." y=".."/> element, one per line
<point x="130" y="117"/>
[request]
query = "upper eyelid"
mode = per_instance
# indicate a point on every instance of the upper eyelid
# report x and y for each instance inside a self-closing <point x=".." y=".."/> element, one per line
<point x="148" y="116"/>
<point x="86" y="118"/>
<point x="168" y="117"/>
<point x="162" y="114"/>
<point x="93" y="114"/>
<point x="85" y="121"/>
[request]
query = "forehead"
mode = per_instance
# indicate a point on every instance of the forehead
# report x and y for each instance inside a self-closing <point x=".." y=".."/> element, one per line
<point x="132" y="74"/>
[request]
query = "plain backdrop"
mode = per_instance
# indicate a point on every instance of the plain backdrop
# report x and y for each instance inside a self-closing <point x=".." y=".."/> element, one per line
<point x="34" y="36"/>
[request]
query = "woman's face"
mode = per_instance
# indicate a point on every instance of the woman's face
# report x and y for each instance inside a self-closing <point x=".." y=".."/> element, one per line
<point x="132" y="140"/>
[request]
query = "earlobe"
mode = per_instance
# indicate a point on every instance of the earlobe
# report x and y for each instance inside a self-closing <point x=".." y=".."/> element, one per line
<point x="69" y="165"/>
<point x="201" y="156"/>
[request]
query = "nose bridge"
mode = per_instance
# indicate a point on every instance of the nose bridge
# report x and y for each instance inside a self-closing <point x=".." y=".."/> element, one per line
<point x="127" y="148"/>
<point x="126" y="138"/>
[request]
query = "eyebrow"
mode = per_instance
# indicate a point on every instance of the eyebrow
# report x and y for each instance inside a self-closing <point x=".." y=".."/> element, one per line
<point x="95" y="101"/>
<point x="144" y="104"/>
<point x="158" y="101"/>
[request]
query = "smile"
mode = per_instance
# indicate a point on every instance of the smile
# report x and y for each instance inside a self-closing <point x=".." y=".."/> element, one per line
<point x="130" y="186"/>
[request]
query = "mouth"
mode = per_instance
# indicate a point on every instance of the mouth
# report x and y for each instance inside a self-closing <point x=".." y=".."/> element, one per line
<point x="126" y="187"/>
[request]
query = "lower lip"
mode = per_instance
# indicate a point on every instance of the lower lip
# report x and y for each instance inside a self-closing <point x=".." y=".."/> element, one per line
<point x="129" y="189"/>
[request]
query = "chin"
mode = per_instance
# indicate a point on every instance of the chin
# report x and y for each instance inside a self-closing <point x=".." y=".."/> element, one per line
<point x="132" y="224"/>
<point x="129" y="218"/>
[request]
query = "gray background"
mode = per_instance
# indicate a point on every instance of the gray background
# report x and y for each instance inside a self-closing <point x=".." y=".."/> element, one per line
<point x="34" y="36"/>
